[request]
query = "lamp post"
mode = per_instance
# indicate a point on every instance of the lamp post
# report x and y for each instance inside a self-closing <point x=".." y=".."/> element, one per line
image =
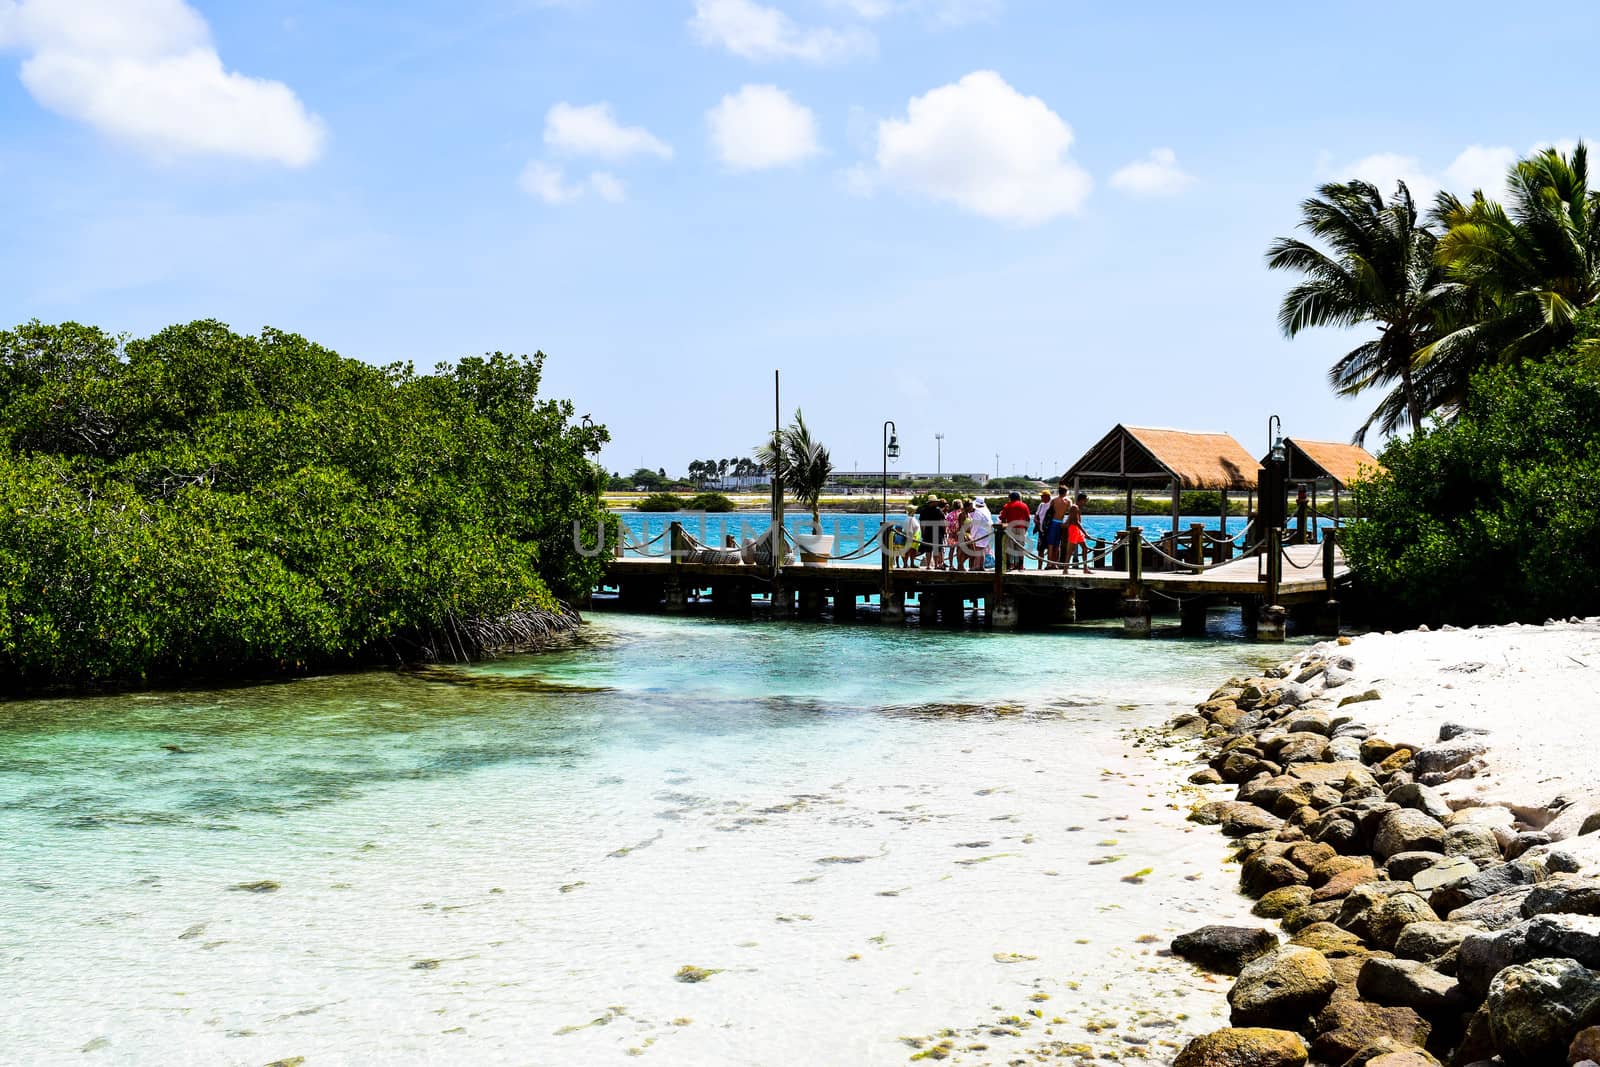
<point x="938" y="456"/>
<point x="891" y="450"/>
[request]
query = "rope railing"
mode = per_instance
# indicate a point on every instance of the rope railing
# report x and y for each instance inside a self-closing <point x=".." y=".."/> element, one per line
<point x="1188" y="565"/>
<point x="1314" y="561"/>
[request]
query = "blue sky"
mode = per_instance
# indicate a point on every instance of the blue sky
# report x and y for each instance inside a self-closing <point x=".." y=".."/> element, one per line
<point x="1015" y="222"/>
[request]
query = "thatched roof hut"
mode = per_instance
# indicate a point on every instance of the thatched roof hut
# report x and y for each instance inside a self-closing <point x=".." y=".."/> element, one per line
<point x="1328" y="462"/>
<point x="1175" y="460"/>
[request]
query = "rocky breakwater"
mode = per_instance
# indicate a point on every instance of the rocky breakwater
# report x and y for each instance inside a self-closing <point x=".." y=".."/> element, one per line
<point x="1405" y="929"/>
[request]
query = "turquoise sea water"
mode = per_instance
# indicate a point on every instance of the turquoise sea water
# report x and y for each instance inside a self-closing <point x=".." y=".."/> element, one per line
<point x="867" y="833"/>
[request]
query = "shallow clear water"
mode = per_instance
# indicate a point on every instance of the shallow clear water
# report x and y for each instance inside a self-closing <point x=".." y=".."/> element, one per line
<point x="868" y="834"/>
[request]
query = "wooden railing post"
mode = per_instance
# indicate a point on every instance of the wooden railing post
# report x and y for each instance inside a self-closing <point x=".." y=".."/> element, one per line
<point x="1135" y="548"/>
<point x="1330" y="540"/>
<point x="1197" y="543"/>
<point x="1274" y="563"/>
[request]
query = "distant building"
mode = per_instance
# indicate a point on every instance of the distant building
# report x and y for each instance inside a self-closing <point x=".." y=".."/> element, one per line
<point x="854" y="477"/>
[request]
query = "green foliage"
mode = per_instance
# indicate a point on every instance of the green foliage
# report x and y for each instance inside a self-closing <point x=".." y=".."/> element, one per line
<point x="646" y="479"/>
<point x="1496" y="516"/>
<point x="662" y="502"/>
<point x="710" y="502"/>
<point x="804" y="464"/>
<point x="201" y="503"/>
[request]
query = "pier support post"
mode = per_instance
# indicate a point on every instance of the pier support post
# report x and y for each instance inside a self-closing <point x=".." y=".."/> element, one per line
<point x="1003" y="613"/>
<point x="1193" y="612"/>
<point x="782" y="601"/>
<point x="675" y="595"/>
<point x="892" y="607"/>
<point x="810" y="602"/>
<point x="1069" y="606"/>
<point x="1135" y="612"/>
<point x="844" y="605"/>
<point x="1272" y="624"/>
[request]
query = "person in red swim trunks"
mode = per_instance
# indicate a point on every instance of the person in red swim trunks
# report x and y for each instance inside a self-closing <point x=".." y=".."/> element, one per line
<point x="1077" y="539"/>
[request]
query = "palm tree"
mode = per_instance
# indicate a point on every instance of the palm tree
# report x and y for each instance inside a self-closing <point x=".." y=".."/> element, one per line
<point x="803" y="463"/>
<point x="1379" y="268"/>
<point x="1526" y="271"/>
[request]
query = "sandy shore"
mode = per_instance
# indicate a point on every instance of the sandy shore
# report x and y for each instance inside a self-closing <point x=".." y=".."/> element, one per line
<point x="1535" y="690"/>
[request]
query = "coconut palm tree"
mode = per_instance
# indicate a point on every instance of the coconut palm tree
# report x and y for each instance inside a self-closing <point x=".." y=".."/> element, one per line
<point x="1379" y="268"/>
<point x="1526" y="270"/>
<point x="802" y="462"/>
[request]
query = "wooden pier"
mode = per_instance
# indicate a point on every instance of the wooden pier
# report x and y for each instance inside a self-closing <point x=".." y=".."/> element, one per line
<point x="1266" y="586"/>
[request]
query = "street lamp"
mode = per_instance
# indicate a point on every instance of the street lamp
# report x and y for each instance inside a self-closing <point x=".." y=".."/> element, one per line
<point x="891" y="450"/>
<point x="938" y="456"/>
<point x="1275" y="438"/>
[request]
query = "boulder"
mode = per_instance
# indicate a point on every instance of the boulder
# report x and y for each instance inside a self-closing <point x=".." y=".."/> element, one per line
<point x="1421" y="798"/>
<point x="1224" y="949"/>
<point x="1430" y="940"/>
<point x="1355" y="911"/>
<point x="1344" y="747"/>
<point x="1390" y="916"/>
<point x="1262" y="873"/>
<point x="1361" y="697"/>
<point x="1240" y="820"/>
<point x="1446" y="872"/>
<point x="1403" y="866"/>
<point x="1522" y="842"/>
<point x="1376" y="750"/>
<point x="1474" y="842"/>
<point x="1329" y="940"/>
<point x="1282" y="989"/>
<point x="1325" y="871"/>
<point x="1452" y="730"/>
<point x="1523" y="872"/>
<point x="1585" y="1046"/>
<point x="1308" y="854"/>
<point x="1407" y="830"/>
<point x="1293" y="694"/>
<point x="1490" y="816"/>
<point x="1447" y="756"/>
<point x="1280" y="902"/>
<point x="1348" y="1025"/>
<point x="1562" y="895"/>
<point x="1339" y="831"/>
<point x="1498" y="912"/>
<point x="1205" y="776"/>
<point x="1300" y="918"/>
<point x="1245" y="1047"/>
<point x="1482" y="956"/>
<point x="1409" y="1057"/>
<point x="1342" y="883"/>
<point x="1537" y="1008"/>
<point x="1302" y="748"/>
<point x="1407" y="983"/>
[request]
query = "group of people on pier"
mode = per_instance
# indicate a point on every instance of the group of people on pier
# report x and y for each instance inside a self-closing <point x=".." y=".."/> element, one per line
<point x="964" y="534"/>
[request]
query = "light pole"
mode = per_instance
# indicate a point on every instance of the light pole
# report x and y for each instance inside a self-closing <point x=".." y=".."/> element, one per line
<point x="891" y="450"/>
<point x="938" y="457"/>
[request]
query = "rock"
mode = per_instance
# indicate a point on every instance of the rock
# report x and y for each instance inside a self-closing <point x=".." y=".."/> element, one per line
<point x="1525" y="840"/>
<point x="1523" y="872"/>
<point x="1452" y="730"/>
<point x="1575" y="937"/>
<point x="1498" y="912"/>
<point x="1537" y="1008"/>
<point x="1243" y="819"/>
<point x="1302" y="748"/>
<point x="1482" y="956"/>
<point x="1376" y="750"/>
<point x="1308" y="854"/>
<point x="1300" y="918"/>
<point x="1562" y="895"/>
<point x="1284" y="988"/>
<point x="1224" y="949"/>
<point x="1361" y="698"/>
<point x="1293" y="694"/>
<point x="1408" y="830"/>
<point x="1325" y="871"/>
<point x="1342" y="883"/>
<point x="1447" y="756"/>
<point x="1335" y="676"/>
<point x="1206" y="776"/>
<point x="1330" y="940"/>
<point x="1411" y="1057"/>
<point x="1241" y="766"/>
<point x="1247" y="1047"/>
<point x="1422" y="798"/>
<point x="1347" y="1026"/>
<point x="1309" y="721"/>
<point x="1263" y="873"/>
<point x="1390" y="916"/>
<point x="1280" y="902"/>
<point x="1445" y="872"/>
<point x="1429" y="940"/>
<point x="1403" y="866"/>
<point x="1585" y="1046"/>
<point x="1396" y="760"/>
<point x="1344" y="749"/>
<point x="1334" y="774"/>
<point x="1590" y="825"/>
<point x="1355" y="911"/>
<point x="1407" y="983"/>
<point x="1343" y="834"/>
<point x="1476" y="843"/>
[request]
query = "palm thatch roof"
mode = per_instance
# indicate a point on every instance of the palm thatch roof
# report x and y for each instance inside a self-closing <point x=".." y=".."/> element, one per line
<point x="1196" y="460"/>
<point x="1330" y="461"/>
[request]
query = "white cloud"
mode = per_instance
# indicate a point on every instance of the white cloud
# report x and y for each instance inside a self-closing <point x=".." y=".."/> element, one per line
<point x="593" y="130"/>
<point x="146" y="73"/>
<point x="549" y="183"/>
<point x="1157" y="175"/>
<point x="760" y="127"/>
<point x="1475" y="167"/>
<point x="944" y="13"/>
<point x="758" y="32"/>
<point x="983" y="146"/>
